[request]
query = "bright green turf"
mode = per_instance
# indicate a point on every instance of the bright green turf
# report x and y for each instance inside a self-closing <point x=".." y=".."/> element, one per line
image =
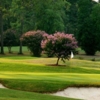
<point x="7" y="94"/>
<point x="27" y="74"/>
<point x="16" y="49"/>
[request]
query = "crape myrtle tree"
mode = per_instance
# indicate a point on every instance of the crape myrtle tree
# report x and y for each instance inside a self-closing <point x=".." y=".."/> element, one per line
<point x="59" y="44"/>
<point x="33" y="39"/>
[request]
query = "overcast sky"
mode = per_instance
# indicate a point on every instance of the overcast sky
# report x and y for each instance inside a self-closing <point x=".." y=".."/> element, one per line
<point x="96" y="0"/>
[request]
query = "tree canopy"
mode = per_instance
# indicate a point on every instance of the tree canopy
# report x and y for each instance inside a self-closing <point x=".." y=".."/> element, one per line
<point x="59" y="44"/>
<point x="78" y="17"/>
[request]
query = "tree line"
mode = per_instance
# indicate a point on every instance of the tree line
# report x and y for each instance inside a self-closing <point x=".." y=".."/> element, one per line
<point x="78" y="17"/>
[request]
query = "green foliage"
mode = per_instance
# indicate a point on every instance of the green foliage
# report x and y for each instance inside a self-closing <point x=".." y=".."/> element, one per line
<point x="4" y="6"/>
<point x="33" y="40"/>
<point x="86" y="35"/>
<point x="88" y="39"/>
<point x="10" y="39"/>
<point x="95" y="17"/>
<point x="21" y="18"/>
<point x="19" y="11"/>
<point x="72" y="14"/>
<point x="49" y="15"/>
<point x="59" y="44"/>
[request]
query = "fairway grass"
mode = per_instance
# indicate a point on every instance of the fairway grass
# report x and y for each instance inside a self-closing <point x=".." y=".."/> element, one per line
<point x="8" y="94"/>
<point x="34" y="75"/>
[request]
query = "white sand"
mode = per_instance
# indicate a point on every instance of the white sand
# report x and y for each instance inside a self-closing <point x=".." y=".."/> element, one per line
<point x="1" y="86"/>
<point x="91" y="93"/>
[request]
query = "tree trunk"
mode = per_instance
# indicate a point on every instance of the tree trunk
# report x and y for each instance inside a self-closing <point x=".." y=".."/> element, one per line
<point x="9" y="49"/>
<point x="20" y="48"/>
<point x="57" y="60"/>
<point x="1" y="32"/>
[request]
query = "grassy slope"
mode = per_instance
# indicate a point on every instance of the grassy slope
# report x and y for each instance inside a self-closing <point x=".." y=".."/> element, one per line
<point x="8" y="94"/>
<point x="31" y="74"/>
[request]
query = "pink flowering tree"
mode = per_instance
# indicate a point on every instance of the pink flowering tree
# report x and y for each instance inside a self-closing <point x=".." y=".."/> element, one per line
<point x="59" y="44"/>
<point x="33" y="39"/>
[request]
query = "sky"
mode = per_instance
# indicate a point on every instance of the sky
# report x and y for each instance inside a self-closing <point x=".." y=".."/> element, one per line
<point x="96" y="0"/>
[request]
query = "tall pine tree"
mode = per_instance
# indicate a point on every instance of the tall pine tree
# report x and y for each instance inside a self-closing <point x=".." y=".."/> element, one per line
<point x="4" y="6"/>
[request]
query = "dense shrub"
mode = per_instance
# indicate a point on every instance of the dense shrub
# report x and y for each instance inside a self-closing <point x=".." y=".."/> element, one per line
<point x="59" y="44"/>
<point x="10" y="39"/>
<point x="33" y="39"/>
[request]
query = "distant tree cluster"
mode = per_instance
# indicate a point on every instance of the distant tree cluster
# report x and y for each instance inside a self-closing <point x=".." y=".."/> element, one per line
<point x="59" y="44"/>
<point x="78" y="17"/>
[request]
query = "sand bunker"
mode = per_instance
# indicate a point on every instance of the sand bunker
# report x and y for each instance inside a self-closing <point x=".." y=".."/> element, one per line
<point x="91" y="93"/>
<point x="1" y="86"/>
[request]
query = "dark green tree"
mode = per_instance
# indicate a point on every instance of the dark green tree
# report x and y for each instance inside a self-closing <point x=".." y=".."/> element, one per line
<point x="88" y="39"/>
<point x="22" y="18"/>
<point x="95" y="17"/>
<point x="1" y="31"/>
<point x="72" y="13"/>
<point x="4" y="7"/>
<point x="86" y="36"/>
<point x="50" y="15"/>
<point x="10" y="39"/>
